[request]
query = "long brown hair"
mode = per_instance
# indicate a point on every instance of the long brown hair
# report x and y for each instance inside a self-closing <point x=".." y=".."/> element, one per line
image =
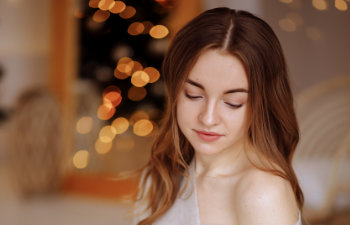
<point x="273" y="130"/>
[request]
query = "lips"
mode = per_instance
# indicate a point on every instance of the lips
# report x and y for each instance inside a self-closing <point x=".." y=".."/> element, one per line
<point x="208" y="136"/>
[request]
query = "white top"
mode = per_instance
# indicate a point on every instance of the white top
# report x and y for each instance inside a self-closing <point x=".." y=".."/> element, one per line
<point x="185" y="209"/>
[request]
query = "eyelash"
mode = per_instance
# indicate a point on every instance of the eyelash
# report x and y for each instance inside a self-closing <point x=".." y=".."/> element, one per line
<point x="197" y="97"/>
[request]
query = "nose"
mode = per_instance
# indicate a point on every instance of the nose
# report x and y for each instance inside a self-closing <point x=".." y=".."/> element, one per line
<point x="209" y="115"/>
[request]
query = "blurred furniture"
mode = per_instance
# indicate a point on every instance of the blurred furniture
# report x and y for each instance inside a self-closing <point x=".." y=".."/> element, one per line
<point x="322" y="157"/>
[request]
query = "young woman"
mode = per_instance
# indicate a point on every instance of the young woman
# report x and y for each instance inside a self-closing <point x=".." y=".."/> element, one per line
<point x="224" y="152"/>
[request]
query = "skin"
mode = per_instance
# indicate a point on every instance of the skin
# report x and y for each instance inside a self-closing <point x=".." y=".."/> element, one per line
<point x="230" y="190"/>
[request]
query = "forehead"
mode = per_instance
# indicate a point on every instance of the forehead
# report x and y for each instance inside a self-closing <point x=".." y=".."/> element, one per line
<point x="219" y="70"/>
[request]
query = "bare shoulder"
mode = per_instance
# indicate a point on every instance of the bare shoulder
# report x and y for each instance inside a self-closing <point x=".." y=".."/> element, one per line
<point x="264" y="198"/>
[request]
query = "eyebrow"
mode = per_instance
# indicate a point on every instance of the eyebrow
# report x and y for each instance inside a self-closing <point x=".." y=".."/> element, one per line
<point x="226" y="92"/>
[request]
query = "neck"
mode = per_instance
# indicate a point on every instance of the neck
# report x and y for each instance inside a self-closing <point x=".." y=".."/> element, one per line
<point x="225" y="163"/>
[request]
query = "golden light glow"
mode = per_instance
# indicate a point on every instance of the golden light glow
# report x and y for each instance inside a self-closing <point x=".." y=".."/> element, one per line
<point x="120" y="125"/>
<point x="93" y="3"/>
<point x="153" y="74"/>
<point x="139" y="78"/>
<point x="106" y="4"/>
<point x="137" y="66"/>
<point x="138" y="115"/>
<point x="81" y="159"/>
<point x="128" y="12"/>
<point x="319" y="4"/>
<point x="287" y="24"/>
<point x="107" y="134"/>
<point x="112" y="96"/>
<point x="159" y="31"/>
<point x="124" y="143"/>
<point x="341" y="5"/>
<point x="143" y="127"/>
<point x="136" y="28"/>
<point x="118" y="7"/>
<point x="125" y="65"/>
<point x="100" y="16"/>
<point x="313" y="33"/>
<point x="137" y="93"/>
<point x="296" y="18"/>
<point x="102" y="147"/>
<point x="148" y="25"/>
<point x="84" y="125"/>
<point x="120" y="75"/>
<point x="105" y="111"/>
<point x="286" y="1"/>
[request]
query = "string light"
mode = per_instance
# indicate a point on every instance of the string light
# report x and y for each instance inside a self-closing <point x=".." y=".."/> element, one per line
<point x="118" y="7"/>
<point x="100" y="16"/>
<point x="159" y="31"/>
<point x="84" y="125"/>
<point x="137" y="93"/>
<point x="136" y="28"/>
<point x="81" y="159"/>
<point x="138" y="115"/>
<point x="93" y="3"/>
<point x="287" y="24"/>
<point x="120" y="125"/>
<point x="341" y="5"/>
<point x="319" y="4"/>
<point x="139" y="78"/>
<point x="107" y="134"/>
<point x="128" y="12"/>
<point x="102" y="147"/>
<point x="106" y="4"/>
<point x="143" y="127"/>
<point x="153" y="74"/>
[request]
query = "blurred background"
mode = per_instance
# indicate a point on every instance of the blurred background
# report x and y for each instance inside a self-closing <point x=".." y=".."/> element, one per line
<point x="81" y="100"/>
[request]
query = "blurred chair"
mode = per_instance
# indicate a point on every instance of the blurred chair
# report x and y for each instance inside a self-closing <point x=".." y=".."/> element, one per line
<point x="322" y="157"/>
<point x="36" y="143"/>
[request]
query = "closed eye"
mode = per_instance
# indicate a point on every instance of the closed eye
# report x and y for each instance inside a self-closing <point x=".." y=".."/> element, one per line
<point x="193" y="96"/>
<point x="233" y="105"/>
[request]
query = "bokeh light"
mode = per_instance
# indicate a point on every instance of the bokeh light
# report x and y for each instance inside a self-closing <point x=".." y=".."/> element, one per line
<point x="128" y="12"/>
<point x="287" y="25"/>
<point x="147" y="26"/>
<point x="81" y="159"/>
<point x="136" y="28"/>
<point x="106" y="4"/>
<point x="120" y="75"/>
<point x="296" y="18"/>
<point x="120" y="125"/>
<point x="140" y="78"/>
<point x="137" y="93"/>
<point x="124" y="143"/>
<point x="100" y="16"/>
<point x="102" y="147"/>
<point x="341" y="5"/>
<point x="93" y="3"/>
<point x="159" y="31"/>
<point x="107" y="134"/>
<point x="319" y="4"/>
<point x="153" y="74"/>
<point x="118" y="7"/>
<point x="138" y="115"/>
<point x="143" y="127"/>
<point x="112" y="95"/>
<point x="136" y="66"/>
<point x="84" y="125"/>
<point x="105" y="111"/>
<point x="313" y="33"/>
<point x="125" y="65"/>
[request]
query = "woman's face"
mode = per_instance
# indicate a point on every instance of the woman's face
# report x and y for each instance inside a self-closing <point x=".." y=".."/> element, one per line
<point x="212" y="106"/>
